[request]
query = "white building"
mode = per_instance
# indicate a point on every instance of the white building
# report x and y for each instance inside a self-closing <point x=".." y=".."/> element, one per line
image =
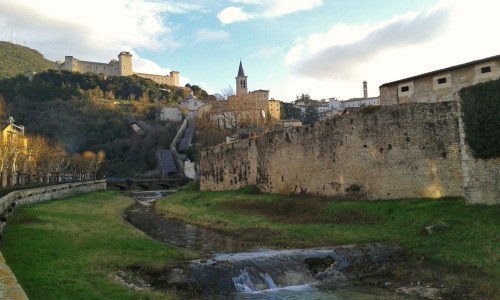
<point x="191" y="105"/>
<point x="190" y="169"/>
<point x="169" y="113"/>
<point x="335" y="104"/>
<point x="361" y="102"/>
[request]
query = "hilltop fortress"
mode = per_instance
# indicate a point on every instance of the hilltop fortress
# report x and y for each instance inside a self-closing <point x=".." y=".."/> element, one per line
<point x="413" y="146"/>
<point x="120" y="67"/>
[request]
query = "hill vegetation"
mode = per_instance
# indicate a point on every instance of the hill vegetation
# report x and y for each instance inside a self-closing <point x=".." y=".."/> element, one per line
<point x="89" y="112"/>
<point x="16" y="59"/>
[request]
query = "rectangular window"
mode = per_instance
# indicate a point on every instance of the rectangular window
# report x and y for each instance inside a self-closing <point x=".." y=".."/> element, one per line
<point x="485" y="69"/>
<point x="442" y="80"/>
<point x="405" y="88"/>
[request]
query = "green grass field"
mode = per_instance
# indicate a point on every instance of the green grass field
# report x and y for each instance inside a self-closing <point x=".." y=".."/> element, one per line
<point x="72" y="248"/>
<point x="469" y="246"/>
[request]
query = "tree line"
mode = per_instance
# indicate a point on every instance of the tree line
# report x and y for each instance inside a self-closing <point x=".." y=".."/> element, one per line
<point x="29" y="159"/>
<point x="83" y="117"/>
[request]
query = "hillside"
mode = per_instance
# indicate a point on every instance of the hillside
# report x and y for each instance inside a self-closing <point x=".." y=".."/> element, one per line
<point x="16" y="59"/>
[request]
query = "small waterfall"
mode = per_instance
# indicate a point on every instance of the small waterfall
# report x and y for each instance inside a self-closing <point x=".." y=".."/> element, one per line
<point x="269" y="281"/>
<point x="243" y="282"/>
<point x="268" y="270"/>
<point x="247" y="283"/>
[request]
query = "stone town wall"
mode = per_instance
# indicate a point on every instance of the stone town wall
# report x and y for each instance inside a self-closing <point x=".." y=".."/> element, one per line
<point x="394" y="152"/>
<point x="481" y="177"/>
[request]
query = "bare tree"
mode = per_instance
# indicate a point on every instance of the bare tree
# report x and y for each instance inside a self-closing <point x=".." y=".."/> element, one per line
<point x="40" y="157"/>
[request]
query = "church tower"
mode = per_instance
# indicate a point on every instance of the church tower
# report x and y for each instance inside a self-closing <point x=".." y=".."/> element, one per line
<point x="241" y="82"/>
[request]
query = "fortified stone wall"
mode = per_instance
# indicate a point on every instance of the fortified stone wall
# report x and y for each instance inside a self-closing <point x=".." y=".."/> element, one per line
<point x="394" y="152"/>
<point x="120" y="67"/>
<point x="172" y="79"/>
<point x="481" y="179"/>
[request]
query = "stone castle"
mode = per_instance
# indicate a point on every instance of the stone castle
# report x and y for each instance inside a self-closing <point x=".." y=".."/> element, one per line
<point x="120" y="67"/>
<point x="412" y="146"/>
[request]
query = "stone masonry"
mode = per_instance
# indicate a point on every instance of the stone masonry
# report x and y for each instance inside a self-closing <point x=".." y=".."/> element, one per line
<point x="393" y="152"/>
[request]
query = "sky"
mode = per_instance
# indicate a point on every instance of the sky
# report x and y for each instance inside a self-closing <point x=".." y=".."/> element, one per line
<point x="324" y="48"/>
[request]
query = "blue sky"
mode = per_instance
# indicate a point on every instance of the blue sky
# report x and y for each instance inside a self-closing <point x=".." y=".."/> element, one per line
<point x="325" y="48"/>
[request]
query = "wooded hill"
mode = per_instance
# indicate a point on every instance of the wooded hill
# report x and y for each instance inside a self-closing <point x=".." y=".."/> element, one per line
<point x="89" y="112"/>
<point x="16" y="59"/>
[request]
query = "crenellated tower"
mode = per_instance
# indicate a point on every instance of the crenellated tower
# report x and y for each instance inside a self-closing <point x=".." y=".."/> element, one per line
<point x="125" y="64"/>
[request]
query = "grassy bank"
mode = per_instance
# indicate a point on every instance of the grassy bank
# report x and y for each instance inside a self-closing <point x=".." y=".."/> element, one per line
<point x="73" y="248"/>
<point x="465" y="252"/>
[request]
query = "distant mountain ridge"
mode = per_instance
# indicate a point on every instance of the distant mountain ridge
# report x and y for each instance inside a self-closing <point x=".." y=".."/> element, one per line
<point x="16" y="59"/>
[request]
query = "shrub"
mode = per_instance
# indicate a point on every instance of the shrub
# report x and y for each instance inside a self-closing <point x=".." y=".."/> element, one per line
<point x="370" y="109"/>
<point x="250" y="189"/>
<point x="480" y="114"/>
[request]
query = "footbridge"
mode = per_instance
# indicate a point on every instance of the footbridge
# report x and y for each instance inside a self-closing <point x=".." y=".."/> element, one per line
<point x="143" y="184"/>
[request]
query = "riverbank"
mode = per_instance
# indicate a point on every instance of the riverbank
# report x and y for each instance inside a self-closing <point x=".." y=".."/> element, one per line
<point x="450" y="245"/>
<point x="81" y="248"/>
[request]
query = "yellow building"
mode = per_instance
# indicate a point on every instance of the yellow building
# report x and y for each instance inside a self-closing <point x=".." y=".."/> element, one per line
<point x="274" y="107"/>
<point x="14" y="154"/>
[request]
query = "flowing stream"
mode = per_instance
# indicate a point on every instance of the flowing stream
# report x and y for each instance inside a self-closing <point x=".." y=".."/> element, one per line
<point x="236" y="271"/>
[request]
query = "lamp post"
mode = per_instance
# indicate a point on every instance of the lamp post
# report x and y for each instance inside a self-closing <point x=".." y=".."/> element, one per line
<point x="158" y="113"/>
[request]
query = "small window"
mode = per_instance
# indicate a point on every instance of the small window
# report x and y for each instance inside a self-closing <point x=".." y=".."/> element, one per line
<point x="485" y="69"/>
<point x="405" y="88"/>
<point x="442" y="80"/>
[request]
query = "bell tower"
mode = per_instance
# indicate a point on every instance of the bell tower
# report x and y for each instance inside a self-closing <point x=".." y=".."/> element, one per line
<point x="241" y="82"/>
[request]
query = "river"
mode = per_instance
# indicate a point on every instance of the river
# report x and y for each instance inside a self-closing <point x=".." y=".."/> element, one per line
<point x="241" y="272"/>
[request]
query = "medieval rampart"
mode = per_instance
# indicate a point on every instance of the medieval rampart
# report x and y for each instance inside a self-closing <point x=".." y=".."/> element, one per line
<point x="413" y="150"/>
<point x="394" y="152"/>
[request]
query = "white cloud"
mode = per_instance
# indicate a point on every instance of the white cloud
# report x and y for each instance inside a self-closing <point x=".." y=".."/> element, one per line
<point x="142" y="65"/>
<point x="266" y="51"/>
<point x="91" y="28"/>
<point x="339" y="51"/>
<point x="211" y="35"/>
<point x="336" y="62"/>
<point x="233" y="14"/>
<point x="284" y="7"/>
<point x="265" y="9"/>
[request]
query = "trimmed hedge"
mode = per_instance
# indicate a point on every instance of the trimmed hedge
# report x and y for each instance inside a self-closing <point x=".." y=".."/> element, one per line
<point x="481" y="116"/>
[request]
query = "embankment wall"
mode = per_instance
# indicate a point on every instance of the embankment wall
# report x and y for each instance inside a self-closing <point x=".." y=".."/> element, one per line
<point x="11" y="200"/>
<point x="9" y="287"/>
<point x="405" y="151"/>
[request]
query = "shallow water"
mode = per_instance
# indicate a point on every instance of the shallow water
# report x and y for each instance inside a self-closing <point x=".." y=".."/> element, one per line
<point x="142" y="215"/>
<point x="179" y="234"/>
<point x="314" y="292"/>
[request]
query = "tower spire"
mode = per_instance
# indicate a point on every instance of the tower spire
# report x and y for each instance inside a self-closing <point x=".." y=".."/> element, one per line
<point x="241" y="72"/>
<point x="241" y="81"/>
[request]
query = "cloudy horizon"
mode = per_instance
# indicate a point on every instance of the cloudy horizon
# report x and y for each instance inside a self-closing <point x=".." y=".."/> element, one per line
<point x="317" y="47"/>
